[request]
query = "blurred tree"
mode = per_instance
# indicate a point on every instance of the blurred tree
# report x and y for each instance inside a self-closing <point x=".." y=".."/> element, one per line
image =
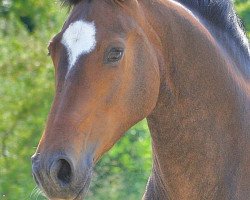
<point x="243" y="8"/>
<point x="32" y="13"/>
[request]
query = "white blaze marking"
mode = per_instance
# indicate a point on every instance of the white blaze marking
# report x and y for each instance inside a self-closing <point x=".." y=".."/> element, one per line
<point x="79" y="39"/>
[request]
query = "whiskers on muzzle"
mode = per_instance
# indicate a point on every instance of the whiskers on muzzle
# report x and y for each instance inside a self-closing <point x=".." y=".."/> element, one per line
<point x="61" y="177"/>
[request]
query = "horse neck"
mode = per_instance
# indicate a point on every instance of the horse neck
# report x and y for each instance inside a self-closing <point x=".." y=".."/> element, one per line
<point x="198" y="127"/>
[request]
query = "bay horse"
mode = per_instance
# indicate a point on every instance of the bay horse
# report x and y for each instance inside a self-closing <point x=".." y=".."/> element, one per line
<point x="184" y="65"/>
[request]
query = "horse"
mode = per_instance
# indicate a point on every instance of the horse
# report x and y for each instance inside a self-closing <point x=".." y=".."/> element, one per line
<point x="184" y="65"/>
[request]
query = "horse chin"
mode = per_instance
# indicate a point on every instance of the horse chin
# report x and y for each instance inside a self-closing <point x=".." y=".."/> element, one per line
<point x="77" y="194"/>
<point x="84" y="189"/>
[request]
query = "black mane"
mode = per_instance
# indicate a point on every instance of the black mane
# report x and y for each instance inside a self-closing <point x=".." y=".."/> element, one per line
<point x="221" y="15"/>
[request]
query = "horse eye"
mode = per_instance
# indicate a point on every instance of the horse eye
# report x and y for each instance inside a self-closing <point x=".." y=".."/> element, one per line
<point x="114" y="55"/>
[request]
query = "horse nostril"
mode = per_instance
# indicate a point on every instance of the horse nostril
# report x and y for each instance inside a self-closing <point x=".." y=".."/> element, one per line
<point x="61" y="172"/>
<point x="64" y="172"/>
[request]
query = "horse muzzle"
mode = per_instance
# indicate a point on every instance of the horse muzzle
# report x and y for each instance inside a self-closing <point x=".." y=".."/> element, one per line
<point x="61" y="177"/>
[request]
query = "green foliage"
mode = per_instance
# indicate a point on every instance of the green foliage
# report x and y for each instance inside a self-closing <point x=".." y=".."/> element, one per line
<point x="26" y="92"/>
<point x="123" y="172"/>
<point x="243" y="7"/>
